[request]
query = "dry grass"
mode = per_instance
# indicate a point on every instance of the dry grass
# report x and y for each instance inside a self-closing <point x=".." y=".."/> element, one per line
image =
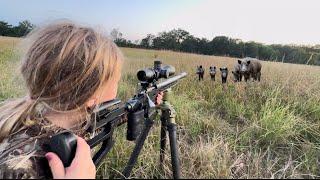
<point x="8" y="42"/>
<point x="247" y="130"/>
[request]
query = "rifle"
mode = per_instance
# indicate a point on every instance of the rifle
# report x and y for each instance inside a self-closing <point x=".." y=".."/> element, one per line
<point x="138" y="113"/>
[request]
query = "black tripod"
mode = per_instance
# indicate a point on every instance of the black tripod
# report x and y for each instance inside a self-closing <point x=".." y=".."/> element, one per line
<point x="167" y="124"/>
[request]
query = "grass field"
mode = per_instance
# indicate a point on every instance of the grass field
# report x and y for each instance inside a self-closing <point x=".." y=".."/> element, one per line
<point x="269" y="129"/>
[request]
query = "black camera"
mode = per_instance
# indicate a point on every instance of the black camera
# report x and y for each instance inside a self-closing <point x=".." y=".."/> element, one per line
<point x="155" y="73"/>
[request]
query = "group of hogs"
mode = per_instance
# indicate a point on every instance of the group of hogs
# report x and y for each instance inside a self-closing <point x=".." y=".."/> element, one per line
<point x="247" y="68"/>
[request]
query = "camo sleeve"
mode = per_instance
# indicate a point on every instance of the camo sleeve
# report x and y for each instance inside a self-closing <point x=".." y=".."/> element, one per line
<point x="22" y="155"/>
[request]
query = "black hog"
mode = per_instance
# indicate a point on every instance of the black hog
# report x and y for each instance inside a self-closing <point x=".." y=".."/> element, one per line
<point x="224" y="74"/>
<point x="237" y="77"/>
<point x="250" y="68"/>
<point x="200" y="72"/>
<point x="212" y="72"/>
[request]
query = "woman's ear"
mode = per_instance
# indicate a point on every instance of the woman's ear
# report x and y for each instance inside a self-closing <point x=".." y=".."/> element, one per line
<point x="91" y="102"/>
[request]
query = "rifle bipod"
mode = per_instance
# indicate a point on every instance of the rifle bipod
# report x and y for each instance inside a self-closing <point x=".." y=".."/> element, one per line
<point x="167" y="118"/>
<point x="167" y="124"/>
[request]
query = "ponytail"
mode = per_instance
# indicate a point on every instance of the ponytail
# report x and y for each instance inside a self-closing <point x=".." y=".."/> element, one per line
<point x="13" y="114"/>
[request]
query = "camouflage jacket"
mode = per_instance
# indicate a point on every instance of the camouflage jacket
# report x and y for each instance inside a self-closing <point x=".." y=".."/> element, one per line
<point x="22" y="154"/>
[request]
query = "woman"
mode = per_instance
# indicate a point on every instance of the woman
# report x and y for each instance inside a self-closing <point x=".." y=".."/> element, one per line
<point x="68" y="71"/>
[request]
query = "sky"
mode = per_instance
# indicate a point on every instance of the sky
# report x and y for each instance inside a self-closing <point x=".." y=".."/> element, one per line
<point x="265" y="21"/>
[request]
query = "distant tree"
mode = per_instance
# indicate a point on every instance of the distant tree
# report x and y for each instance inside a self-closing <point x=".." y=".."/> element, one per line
<point x="204" y="46"/>
<point x="147" y="42"/>
<point x="265" y="52"/>
<point x="251" y="49"/>
<point x="117" y="38"/>
<point x="180" y="35"/>
<point x="5" y="28"/>
<point x="220" y="45"/>
<point x="190" y="44"/>
<point x="115" y="34"/>
<point x="22" y="29"/>
<point x="316" y="60"/>
<point x="236" y="48"/>
<point x="165" y="40"/>
<point x="170" y="40"/>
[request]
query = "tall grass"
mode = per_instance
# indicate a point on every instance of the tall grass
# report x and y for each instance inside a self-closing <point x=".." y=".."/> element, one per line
<point x="245" y="130"/>
<point x="11" y="84"/>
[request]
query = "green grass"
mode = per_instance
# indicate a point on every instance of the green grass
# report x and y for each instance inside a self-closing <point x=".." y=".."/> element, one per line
<point x="11" y="84"/>
<point x="245" y="130"/>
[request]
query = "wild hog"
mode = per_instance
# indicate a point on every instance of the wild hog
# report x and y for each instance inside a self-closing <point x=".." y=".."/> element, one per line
<point x="212" y="71"/>
<point x="200" y="72"/>
<point x="224" y="74"/>
<point x="237" y="77"/>
<point x="250" y="67"/>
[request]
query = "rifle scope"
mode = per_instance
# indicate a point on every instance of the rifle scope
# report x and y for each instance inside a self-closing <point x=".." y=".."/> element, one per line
<point x="155" y="73"/>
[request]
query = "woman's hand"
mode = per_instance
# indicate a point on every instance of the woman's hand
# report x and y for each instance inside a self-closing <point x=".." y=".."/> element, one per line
<point x="82" y="166"/>
<point x="159" y="98"/>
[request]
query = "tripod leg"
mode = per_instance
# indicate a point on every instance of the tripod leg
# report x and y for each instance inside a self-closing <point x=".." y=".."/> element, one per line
<point x="163" y="141"/>
<point x="172" y="128"/>
<point x="136" y="151"/>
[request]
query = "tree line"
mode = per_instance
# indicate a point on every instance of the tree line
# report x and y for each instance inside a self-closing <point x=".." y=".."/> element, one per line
<point x="22" y="29"/>
<point x="183" y="41"/>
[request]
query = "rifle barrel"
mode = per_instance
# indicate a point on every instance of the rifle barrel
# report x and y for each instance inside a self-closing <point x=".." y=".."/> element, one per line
<point x="168" y="82"/>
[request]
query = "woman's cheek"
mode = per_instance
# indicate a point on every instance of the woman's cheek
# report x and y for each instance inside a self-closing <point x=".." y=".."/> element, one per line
<point x="115" y="91"/>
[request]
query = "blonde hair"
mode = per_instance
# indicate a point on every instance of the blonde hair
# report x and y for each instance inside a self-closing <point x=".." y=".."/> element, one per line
<point x="63" y="67"/>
